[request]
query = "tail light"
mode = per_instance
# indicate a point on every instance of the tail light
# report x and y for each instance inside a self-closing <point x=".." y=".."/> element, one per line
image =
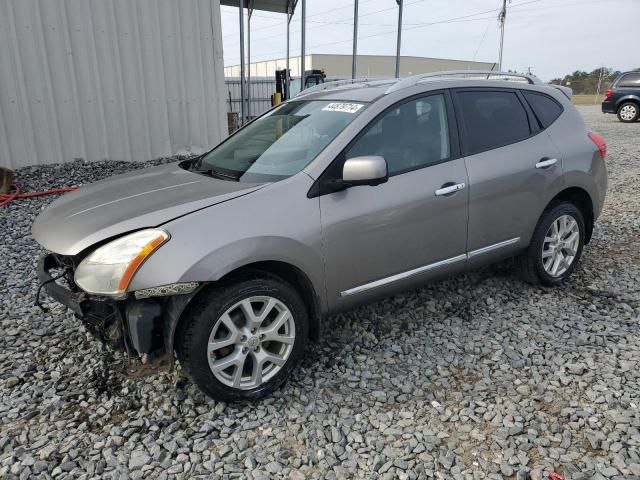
<point x="608" y="92"/>
<point x="600" y="143"/>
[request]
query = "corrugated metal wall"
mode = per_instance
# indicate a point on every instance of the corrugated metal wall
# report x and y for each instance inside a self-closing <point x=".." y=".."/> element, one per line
<point x="260" y="96"/>
<point x="109" y="79"/>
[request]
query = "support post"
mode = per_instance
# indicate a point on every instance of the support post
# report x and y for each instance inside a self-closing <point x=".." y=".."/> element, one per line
<point x="304" y="27"/>
<point x="249" y="60"/>
<point x="287" y="96"/>
<point x="355" y="39"/>
<point x="399" y="40"/>
<point x="241" y="16"/>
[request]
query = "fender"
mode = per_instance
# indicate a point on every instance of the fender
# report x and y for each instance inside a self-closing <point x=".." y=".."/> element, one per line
<point x="626" y="98"/>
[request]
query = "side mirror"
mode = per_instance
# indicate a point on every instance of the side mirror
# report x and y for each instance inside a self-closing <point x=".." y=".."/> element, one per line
<point x="368" y="170"/>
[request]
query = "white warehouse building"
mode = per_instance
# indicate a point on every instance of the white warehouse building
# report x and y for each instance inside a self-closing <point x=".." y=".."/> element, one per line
<point x="336" y="66"/>
<point x="109" y="79"/>
<point x="263" y="84"/>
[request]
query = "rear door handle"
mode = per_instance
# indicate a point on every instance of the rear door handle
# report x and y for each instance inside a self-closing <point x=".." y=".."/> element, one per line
<point x="449" y="189"/>
<point x="546" y="162"/>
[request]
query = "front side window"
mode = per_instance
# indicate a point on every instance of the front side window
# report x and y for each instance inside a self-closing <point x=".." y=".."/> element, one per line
<point x="545" y="108"/>
<point x="280" y="143"/>
<point x="492" y="119"/>
<point x="630" y="80"/>
<point x="413" y="135"/>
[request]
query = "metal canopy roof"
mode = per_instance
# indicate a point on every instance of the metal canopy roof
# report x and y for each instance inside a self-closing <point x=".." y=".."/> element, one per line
<point x="278" y="6"/>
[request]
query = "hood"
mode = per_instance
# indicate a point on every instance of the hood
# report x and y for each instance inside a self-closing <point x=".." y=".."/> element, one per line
<point x="123" y="203"/>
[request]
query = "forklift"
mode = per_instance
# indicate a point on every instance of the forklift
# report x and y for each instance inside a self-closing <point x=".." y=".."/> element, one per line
<point x="311" y="78"/>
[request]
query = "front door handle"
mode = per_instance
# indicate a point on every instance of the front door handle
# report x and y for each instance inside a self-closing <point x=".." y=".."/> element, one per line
<point x="449" y="188"/>
<point x="546" y="162"/>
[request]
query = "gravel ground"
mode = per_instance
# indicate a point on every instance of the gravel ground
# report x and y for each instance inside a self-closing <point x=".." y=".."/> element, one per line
<point x="481" y="376"/>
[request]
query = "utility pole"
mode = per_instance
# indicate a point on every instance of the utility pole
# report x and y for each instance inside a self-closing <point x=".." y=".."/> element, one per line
<point x="355" y="39"/>
<point x="399" y="2"/>
<point x="302" y="44"/>
<point x="502" y="18"/>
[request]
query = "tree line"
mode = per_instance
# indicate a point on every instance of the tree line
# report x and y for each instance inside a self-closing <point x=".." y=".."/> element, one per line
<point x="587" y="82"/>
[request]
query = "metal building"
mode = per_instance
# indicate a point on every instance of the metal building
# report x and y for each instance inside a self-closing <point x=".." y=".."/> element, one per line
<point x="339" y="66"/>
<point x="109" y="79"/>
<point x="259" y="91"/>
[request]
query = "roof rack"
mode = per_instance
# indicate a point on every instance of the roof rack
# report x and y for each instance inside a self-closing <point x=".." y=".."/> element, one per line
<point x="399" y="84"/>
<point x="415" y="79"/>
<point x="335" y="84"/>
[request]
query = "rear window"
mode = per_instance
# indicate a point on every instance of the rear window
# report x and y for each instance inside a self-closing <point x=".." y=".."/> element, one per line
<point x="546" y="109"/>
<point x="630" y="80"/>
<point x="492" y="119"/>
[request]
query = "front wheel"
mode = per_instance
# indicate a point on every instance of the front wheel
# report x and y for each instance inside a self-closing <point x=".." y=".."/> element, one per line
<point x="241" y="341"/>
<point x="556" y="246"/>
<point x="628" y="112"/>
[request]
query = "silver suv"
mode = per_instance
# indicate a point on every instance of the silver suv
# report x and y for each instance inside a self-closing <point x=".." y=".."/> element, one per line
<point x="345" y="194"/>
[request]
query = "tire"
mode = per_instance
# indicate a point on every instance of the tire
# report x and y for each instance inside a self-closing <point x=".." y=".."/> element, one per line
<point x="219" y="316"/>
<point x="537" y="263"/>
<point x="629" y="112"/>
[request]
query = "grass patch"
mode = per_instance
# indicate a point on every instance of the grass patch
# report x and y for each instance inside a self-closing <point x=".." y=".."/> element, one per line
<point x="587" y="99"/>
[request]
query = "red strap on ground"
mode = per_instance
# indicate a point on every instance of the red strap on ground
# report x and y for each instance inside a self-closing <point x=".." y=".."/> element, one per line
<point x="6" y="198"/>
<point x="555" y="476"/>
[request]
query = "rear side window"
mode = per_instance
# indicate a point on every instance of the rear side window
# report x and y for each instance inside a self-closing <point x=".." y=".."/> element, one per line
<point x="492" y="119"/>
<point x="546" y="109"/>
<point x="630" y="80"/>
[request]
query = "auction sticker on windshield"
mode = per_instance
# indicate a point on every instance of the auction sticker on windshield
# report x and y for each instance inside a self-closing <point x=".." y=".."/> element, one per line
<point x="343" y="107"/>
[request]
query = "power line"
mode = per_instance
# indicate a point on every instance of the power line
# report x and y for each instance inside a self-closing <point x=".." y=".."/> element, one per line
<point x="383" y="24"/>
<point x="321" y="24"/>
<point x="279" y="19"/>
<point x="422" y="25"/>
<point x="486" y="30"/>
<point x="460" y="19"/>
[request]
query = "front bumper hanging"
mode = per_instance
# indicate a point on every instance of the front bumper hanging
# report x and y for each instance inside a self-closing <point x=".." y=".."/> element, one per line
<point x="56" y="291"/>
<point x="144" y="320"/>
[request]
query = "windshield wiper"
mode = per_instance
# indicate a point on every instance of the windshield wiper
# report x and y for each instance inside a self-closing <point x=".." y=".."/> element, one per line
<point x="219" y="175"/>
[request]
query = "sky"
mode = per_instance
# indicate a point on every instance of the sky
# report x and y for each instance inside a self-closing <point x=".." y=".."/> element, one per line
<point x="553" y="37"/>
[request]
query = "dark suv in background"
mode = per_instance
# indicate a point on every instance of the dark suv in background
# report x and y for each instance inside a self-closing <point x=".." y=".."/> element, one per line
<point x="623" y="97"/>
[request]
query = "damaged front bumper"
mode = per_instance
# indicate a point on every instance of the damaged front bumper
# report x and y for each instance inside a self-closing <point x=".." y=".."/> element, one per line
<point x="144" y="320"/>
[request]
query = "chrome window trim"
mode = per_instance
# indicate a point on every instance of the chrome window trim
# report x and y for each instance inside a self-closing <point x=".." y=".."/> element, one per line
<point x="425" y="268"/>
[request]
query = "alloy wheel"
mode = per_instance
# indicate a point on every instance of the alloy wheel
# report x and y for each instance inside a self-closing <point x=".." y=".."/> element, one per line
<point x="560" y="246"/>
<point x="628" y="112"/>
<point x="251" y="342"/>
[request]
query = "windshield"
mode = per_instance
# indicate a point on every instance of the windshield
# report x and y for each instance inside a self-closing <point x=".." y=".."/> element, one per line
<point x="280" y="143"/>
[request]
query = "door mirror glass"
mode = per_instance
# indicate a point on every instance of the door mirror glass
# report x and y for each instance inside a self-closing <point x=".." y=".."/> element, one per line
<point x="366" y="170"/>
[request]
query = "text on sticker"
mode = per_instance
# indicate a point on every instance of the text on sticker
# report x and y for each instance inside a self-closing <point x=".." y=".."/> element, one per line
<point x="343" y="107"/>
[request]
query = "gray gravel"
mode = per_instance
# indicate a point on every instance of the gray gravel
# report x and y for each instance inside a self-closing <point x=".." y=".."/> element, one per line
<point x="481" y="376"/>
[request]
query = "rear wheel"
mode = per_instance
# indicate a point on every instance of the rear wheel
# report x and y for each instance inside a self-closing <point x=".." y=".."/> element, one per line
<point x="628" y="112"/>
<point x="556" y="246"/>
<point x="242" y="340"/>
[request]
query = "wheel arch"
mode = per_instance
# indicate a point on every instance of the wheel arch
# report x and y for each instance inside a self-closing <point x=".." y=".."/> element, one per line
<point x="583" y="201"/>
<point x="292" y="275"/>
<point x="626" y="99"/>
<point x="180" y="306"/>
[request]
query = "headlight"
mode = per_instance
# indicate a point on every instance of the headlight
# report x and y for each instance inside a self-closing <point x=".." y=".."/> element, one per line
<point x="110" y="268"/>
